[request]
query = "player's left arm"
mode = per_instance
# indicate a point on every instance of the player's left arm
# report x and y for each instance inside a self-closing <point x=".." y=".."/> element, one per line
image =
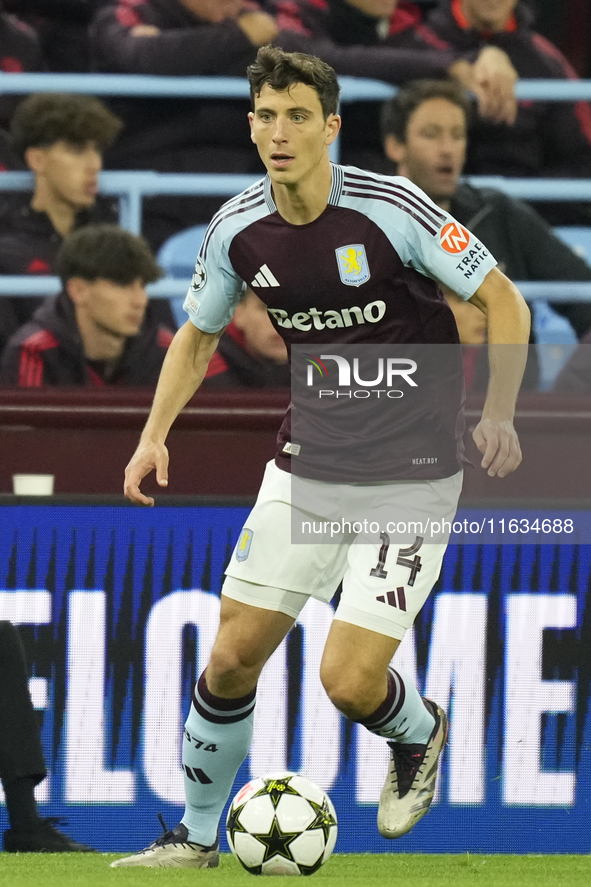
<point x="508" y="323"/>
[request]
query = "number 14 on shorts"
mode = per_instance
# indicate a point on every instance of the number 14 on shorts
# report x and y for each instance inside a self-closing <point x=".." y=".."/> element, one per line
<point x="407" y="557"/>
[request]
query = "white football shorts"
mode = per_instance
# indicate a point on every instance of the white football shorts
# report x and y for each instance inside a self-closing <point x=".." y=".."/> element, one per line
<point x="385" y="583"/>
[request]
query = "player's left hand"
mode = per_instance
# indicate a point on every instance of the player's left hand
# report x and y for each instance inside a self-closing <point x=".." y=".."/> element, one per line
<point x="494" y="79"/>
<point x="499" y="444"/>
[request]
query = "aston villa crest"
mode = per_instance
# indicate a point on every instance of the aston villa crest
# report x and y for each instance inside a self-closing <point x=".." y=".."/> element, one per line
<point x="353" y="265"/>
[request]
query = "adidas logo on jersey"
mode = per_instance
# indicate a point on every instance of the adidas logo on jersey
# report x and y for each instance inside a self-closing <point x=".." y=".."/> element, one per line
<point x="332" y="320"/>
<point x="265" y="277"/>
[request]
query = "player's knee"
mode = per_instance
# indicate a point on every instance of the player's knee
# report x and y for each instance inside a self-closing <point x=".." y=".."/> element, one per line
<point x="346" y="691"/>
<point x="231" y="669"/>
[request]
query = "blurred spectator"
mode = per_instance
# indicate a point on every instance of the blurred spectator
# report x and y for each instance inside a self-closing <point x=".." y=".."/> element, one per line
<point x="548" y="138"/>
<point x="568" y="25"/>
<point x="575" y="376"/>
<point x="22" y="765"/>
<point x="425" y="131"/>
<point x="181" y="37"/>
<point x="362" y="29"/>
<point x="196" y="37"/>
<point x="61" y="139"/>
<point x="19" y="51"/>
<point x="97" y="331"/>
<point x="62" y="28"/>
<point x="251" y="353"/>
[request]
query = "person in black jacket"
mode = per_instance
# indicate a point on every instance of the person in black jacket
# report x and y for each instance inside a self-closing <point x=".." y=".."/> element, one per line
<point x="19" y="52"/>
<point x="22" y="764"/>
<point x="62" y="29"/>
<point x="548" y="138"/>
<point x="98" y="330"/>
<point x="425" y="132"/>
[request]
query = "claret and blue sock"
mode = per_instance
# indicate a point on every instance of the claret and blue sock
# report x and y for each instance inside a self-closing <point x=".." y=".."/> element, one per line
<point x="216" y="740"/>
<point x="402" y="716"/>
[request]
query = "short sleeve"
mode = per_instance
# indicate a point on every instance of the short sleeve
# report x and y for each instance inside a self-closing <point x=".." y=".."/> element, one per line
<point x="446" y="251"/>
<point x="215" y="288"/>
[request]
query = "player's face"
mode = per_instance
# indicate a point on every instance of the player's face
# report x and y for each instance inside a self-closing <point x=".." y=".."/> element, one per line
<point x="435" y="149"/>
<point x="261" y="337"/>
<point x="69" y="171"/>
<point x="491" y="15"/>
<point x="290" y="132"/>
<point x="111" y="308"/>
<point x="376" y="8"/>
<point x="214" y="10"/>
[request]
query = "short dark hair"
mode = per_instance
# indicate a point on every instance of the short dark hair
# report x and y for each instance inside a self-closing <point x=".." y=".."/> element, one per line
<point x="108" y="252"/>
<point x="397" y="112"/>
<point x="46" y="118"/>
<point x="282" y="69"/>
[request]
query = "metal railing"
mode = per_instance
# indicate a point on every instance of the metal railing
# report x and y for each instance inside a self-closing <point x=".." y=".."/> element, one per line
<point x="21" y="285"/>
<point x="132" y="186"/>
<point x="147" y="85"/>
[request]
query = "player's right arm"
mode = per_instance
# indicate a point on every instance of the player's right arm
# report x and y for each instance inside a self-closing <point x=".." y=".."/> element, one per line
<point x="182" y="372"/>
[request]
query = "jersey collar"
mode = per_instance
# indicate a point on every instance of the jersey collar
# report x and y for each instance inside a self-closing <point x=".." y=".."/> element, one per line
<point x="333" y="197"/>
<point x="268" y="192"/>
<point x="337" y="184"/>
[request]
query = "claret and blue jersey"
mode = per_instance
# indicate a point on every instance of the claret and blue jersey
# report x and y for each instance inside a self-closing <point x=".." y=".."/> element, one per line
<point x="365" y="271"/>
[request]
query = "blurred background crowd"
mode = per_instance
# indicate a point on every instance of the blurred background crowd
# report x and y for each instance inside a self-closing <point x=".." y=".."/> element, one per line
<point x="457" y="62"/>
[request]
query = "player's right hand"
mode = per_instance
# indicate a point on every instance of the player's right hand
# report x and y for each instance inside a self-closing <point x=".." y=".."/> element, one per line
<point x="148" y="456"/>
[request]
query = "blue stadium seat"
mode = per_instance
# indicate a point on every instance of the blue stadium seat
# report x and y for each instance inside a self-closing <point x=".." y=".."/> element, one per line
<point x="555" y="336"/>
<point x="177" y="258"/>
<point x="578" y="237"/>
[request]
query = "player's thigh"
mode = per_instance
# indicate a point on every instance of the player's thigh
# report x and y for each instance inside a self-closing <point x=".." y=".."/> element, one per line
<point x="389" y="577"/>
<point x="385" y="587"/>
<point x="265" y="555"/>
<point x="247" y="636"/>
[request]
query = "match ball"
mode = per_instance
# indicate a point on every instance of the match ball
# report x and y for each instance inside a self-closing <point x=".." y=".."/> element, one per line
<point x="281" y="824"/>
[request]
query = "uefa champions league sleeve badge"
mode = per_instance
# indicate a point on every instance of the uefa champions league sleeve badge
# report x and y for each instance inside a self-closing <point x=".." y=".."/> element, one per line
<point x="199" y="276"/>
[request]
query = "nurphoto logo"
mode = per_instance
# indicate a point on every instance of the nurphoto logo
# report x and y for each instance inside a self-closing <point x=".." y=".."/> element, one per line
<point x="388" y="371"/>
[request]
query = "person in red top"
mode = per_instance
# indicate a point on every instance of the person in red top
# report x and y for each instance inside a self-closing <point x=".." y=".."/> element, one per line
<point x="98" y="330"/>
<point x="548" y="138"/>
<point x="251" y="353"/>
<point x="60" y="139"/>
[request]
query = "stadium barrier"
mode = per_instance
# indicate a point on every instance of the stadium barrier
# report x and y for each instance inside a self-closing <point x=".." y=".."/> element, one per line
<point x="118" y="608"/>
<point x="353" y="89"/>
<point x="173" y="287"/>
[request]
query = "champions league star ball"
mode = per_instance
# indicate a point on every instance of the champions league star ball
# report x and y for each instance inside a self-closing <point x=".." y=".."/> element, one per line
<point x="281" y="824"/>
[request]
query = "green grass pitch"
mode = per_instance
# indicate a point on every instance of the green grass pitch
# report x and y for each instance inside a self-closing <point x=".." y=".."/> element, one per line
<point x="354" y="870"/>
